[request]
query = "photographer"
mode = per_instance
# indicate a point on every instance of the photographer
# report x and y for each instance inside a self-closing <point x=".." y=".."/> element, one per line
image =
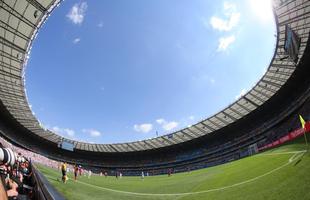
<point x="3" y="194"/>
<point x="7" y="158"/>
<point x="15" y="173"/>
<point x="12" y="189"/>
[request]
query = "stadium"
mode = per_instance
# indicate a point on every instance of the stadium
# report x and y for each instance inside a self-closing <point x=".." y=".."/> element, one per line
<point x="248" y="150"/>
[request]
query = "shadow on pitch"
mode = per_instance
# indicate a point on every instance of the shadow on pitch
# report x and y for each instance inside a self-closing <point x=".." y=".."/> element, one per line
<point x="299" y="160"/>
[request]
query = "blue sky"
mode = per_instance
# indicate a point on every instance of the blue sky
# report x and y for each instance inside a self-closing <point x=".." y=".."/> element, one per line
<point x="117" y="71"/>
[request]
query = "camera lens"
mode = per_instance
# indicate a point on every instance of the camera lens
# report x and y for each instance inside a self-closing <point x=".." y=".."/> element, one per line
<point x="7" y="156"/>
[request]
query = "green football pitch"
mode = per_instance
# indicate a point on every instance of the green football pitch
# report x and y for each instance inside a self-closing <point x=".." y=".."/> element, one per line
<point x="282" y="173"/>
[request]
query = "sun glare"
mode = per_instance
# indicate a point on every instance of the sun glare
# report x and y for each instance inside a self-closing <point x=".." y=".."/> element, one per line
<point x="262" y="9"/>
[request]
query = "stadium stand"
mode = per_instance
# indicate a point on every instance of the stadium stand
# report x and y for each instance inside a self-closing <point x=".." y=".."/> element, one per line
<point x="264" y="114"/>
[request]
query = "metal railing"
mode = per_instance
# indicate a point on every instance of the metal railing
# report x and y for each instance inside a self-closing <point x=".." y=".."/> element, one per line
<point x="43" y="189"/>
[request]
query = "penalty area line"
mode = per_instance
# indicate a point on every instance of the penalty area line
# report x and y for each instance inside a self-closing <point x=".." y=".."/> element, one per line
<point x="292" y="158"/>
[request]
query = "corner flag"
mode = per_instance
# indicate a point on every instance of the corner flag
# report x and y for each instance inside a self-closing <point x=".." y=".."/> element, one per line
<point x="302" y="121"/>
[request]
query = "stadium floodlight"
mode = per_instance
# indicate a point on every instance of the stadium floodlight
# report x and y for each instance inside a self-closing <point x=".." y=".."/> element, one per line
<point x="292" y="43"/>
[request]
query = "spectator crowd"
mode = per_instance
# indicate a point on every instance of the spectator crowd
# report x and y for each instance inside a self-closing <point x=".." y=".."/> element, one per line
<point x="16" y="177"/>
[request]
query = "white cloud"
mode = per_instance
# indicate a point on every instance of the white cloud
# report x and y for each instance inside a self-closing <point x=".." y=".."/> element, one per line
<point x="232" y="20"/>
<point x="56" y="129"/>
<point x="100" y="24"/>
<point x="167" y="126"/>
<point x="160" y="121"/>
<point x="144" y="128"/>
<point x="212" y="80"/>
<point x="70" y="132"/>
<point x="224" y="42"/>
<point x="77" y="13"/>
<point x="225" y="25"/>
<point x="76" y="40"/>
<point x="64" y="131"/>
<point x="191" y="117"/>
<point x="229" y="6"/>
<point x="92" y="132"/>
<point x="242" y="93"/>
<point x="170" y="125"/>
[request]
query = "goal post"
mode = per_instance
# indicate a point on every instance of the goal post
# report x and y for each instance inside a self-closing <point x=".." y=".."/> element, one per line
<point x="252" y="149"/>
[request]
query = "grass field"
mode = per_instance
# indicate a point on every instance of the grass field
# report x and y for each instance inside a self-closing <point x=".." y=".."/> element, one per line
<point x="279" y="174"/>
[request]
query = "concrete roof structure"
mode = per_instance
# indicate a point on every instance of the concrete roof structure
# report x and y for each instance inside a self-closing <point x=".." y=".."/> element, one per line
<point x="22" y="19"/>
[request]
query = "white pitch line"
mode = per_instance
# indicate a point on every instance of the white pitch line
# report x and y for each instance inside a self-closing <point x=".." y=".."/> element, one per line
<point x="281" y="153"/>
<point x="296" y="156"/>
<point x="292" y="158"/>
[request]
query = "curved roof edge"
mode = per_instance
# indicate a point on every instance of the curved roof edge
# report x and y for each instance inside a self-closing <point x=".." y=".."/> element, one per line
<point x="24" y="19"/>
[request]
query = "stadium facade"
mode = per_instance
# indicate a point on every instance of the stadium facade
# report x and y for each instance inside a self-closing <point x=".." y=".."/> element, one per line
<point x="266" y="112"/>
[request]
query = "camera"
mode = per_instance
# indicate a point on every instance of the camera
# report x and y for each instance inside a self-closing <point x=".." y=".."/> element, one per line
<point x="7" y="157"/>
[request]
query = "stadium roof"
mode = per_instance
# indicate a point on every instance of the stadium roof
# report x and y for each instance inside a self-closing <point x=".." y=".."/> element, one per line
<point x="21" y="20"/>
